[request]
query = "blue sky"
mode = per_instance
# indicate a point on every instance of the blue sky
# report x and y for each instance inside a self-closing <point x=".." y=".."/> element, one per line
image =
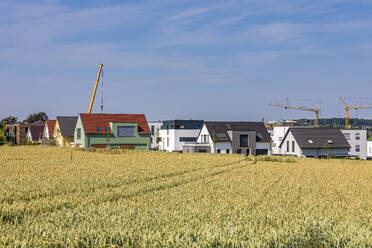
<point x="212" y="60"/>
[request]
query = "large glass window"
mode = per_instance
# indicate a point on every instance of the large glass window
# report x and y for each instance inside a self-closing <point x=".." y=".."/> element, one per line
<point x="244" y="140"/>
<point x="78" y="133"/>
<point x="125" y="131"/>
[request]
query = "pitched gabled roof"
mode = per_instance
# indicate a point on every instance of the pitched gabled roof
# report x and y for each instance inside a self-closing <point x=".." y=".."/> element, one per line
<point x="36" y="132"/>
<point x="51" y="124"/>
<point x="221" y="128"/>
<point x="317" y="138"/>
<point x="93" y="121"/>
<point x="67" y="125"/>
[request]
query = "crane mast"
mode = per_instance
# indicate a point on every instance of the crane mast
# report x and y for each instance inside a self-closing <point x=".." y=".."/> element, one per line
<point x="315" y="110"/>
<point x="95" y="89"/>
<point x="347" y="110"/>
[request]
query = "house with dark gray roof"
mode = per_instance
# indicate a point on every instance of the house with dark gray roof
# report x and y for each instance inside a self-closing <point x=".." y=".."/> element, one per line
<point x="314" y="143"/>
<point x="64" y="130"/>
<point x="250" y="138"/>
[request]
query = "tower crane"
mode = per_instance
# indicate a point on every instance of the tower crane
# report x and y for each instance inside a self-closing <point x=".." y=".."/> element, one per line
<point x="95" y="88"/>
<point x="315" y="110"/>
<point x="347" y="109"/>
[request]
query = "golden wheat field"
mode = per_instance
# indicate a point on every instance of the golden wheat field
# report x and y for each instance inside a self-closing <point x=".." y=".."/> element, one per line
<point x="56" y="197"/>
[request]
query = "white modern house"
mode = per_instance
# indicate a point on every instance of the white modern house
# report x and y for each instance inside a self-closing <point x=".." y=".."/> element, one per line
<point x="357" y="140"/>
<point x="250" y="138"/>
<point x="277" y="134"/>
<point x="314" y="143"/>
<point x="155" y="127"/>
<point x="174" y="134"/>
<point x="369" y="149"/>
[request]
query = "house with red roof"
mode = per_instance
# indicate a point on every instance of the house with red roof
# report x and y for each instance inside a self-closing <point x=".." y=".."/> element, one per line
<point x="125" y="131"/>
<point x="49" y="129"/>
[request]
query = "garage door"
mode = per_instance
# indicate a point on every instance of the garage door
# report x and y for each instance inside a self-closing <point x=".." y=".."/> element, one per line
<point x="127" y="146"/>
<point x="99" y="145"/>
<point x="262" y="152"/>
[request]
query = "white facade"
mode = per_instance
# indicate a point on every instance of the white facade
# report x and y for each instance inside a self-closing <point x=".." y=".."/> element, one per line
<point x="46" y="131"/>
<point x="155" y="127"/>
<point x="277" y="135"/>
<point x="369" y="149"/>
<point x="171" y="139"/>
<point x="357" y="139"/>
<point x="290" y="147"/>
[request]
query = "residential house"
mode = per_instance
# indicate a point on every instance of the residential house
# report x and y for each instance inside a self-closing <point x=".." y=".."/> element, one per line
<point x="357" y="140"/>
<point x="174" y="134"/>
<point x="17" y="132"/>
<point x="49" y="129"/>
<point x="35" y="133"/>
<point x="369" y="149"/>
<point x="155" y="127"/>
<point x="125" y="131"/>
<point x="250" y="138"/>
<point x="277" y="134"/>
<point x="314" y="142"/>
<point x="64" y="130"/>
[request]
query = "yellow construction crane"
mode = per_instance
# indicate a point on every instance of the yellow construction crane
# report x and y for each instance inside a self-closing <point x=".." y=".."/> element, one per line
<point x="315" y="110"/>
<point x="347" y="109"/>
<point x="95" y="89"/>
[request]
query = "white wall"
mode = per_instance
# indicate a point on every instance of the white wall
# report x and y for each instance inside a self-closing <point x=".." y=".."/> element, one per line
<point x="278" y="134"/>
<point x="369" y="149"/>
<point x="350" y="136"/>
<point x="157" y="125"/>
<point x="174" y="136"/>
<point x="45" y="131"/>
<point x="285" y="150"/>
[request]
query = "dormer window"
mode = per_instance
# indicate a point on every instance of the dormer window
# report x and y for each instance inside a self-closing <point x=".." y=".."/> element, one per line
<point x="107" y="129"/>
<point x="330" y="141"/>
<point x="98" y="129"/>
<point x="126" y="131"/>
<point x="310" y="141"/>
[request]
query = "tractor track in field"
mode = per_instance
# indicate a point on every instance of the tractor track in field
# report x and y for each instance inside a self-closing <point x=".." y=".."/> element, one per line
<point x="11" y="201"/>
<point x="16" y="216"/>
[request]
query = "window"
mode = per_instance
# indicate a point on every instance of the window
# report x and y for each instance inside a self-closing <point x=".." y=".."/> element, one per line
<point x="370" y="150"/>
<point x="287" y="146"/>
<point x="357" y="136"/>
<point x="167" y="141"/>
<point x="347" y="136"/>
<point x="167" y="129"/>
<point x="152" y="130"/>
<point x="280" y="138"/>
<point x="244" y="140"/>
<point x="125" y="131"/>
<point x="293" y="146"/>
<point x="330" y="141"/>
<point x="98" y="129"/>
<point x="206" y="138"/>
<point x="218" y="150"/>
<point x="357" y="148"/>
<point x="228" y="151"/>
<point x="78" y="133"/>
<point x="188" y="139"/>
<point x="310" y="141"/>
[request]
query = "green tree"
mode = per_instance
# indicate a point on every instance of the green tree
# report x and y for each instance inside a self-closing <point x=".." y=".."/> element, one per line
<point x="36" y="118"/>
